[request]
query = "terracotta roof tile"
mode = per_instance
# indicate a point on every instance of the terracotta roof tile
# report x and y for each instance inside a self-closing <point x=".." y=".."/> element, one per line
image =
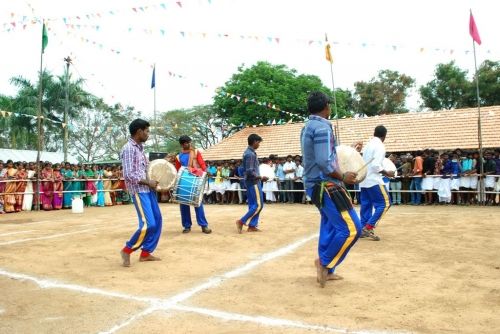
<point x="439" y="130"/>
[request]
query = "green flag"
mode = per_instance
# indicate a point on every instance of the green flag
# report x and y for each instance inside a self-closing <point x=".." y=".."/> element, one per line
<point x="45" y="38"/>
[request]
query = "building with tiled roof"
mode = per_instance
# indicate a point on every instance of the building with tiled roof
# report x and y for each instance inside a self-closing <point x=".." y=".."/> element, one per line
<point x="440" y="130"/>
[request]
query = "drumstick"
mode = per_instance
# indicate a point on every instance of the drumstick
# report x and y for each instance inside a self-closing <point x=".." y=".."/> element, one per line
<point x="364" y="166"/>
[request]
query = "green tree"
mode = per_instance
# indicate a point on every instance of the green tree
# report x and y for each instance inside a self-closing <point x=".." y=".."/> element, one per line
<point x="448" y="90"/>
<point x="489" y="84"/>
<point x="201" y="123"/>
<point x="101" y="131"/>
<point x="384" y="94"/>
<point x="23" y="130"/>
<point x="263" y="84"/>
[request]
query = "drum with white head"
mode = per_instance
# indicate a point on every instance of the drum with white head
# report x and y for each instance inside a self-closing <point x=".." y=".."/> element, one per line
<point x="164" y="172"/>
<point x="350" y="160"/>
<point x="389" y="166"/>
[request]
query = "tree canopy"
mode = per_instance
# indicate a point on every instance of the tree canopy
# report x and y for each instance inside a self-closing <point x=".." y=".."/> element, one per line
<point x="264" y="84"/>
<point x="384" y="94"/>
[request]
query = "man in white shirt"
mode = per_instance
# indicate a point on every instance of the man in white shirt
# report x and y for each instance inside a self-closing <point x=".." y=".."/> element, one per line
<point x="299" y="183"/>
<point x="289" y="168"/>
<point x="375" y="200"/>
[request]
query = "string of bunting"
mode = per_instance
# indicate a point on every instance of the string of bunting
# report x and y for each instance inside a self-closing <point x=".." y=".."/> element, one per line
<point x="11" y="113"/>
<point x="268" y="105"/>
<point x="75" y="23"/>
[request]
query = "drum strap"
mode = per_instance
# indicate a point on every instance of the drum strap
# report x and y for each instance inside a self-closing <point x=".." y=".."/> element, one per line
<point x="193" y="162"/>
<point x="336" y="192"/>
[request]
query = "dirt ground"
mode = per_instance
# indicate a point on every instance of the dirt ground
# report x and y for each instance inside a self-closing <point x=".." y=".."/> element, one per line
<point x="436" y="270"/>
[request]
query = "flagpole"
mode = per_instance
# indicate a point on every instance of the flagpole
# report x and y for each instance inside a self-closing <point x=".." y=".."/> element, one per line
<point x="39" y="130"/>
<point x="154" y="111"/>
<point x="479" y="132"/>
<point x="337" y="129"/>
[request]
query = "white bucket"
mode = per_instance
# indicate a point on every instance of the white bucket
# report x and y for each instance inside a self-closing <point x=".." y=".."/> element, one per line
<point x="77" y="205"/>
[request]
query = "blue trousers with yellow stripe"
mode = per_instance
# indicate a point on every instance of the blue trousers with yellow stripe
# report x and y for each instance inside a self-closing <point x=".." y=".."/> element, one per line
<point x="255" y="198"/>
<point x="375" y="201"/>
<point x="186" y="216"/>
<point x="338" y="232"/>
<point x="150" y="222"/>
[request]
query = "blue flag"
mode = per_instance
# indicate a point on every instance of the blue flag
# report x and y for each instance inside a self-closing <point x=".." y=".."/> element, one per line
<point x="153" y="82"/>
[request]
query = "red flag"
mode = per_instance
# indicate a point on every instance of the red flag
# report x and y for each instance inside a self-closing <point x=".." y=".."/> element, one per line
<point x="474" y="33"/>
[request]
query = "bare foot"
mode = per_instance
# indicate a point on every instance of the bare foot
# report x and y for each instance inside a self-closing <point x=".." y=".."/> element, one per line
<point x="329" y="276"/>
<point x="149" y="258"/>
<point x="321" y="273"/>
<point x="125" y="258"/>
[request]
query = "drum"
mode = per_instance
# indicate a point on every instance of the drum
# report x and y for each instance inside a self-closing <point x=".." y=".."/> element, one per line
<point x="350" y="160"/>
<point x="162" y="171"/>
<point x="389" y="166"/>
<point x="188" y="188"/>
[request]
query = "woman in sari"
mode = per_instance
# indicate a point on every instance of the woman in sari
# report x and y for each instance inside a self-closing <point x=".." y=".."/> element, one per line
<point x="47" y="176"/>
<point x="3" y="173"/>
<point x="21" y="176"/>
<point x="108" y="174"/>
<point x="78" y="185"/>
<point x="10" y="187"/>
<point x="28" y="192"/>
<point x="68" y="186"/>
<point x="90" y="188"/>
<point x="116" y="186"/>
<point x="57" y="201"/>
<point x="98" y="172"/>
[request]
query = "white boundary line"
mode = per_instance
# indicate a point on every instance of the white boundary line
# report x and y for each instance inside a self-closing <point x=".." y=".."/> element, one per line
<point x="172" y="303"/>
<point x="19" y="232"/>
<point x="52" y="236"/>
<point x="268" y="321"/>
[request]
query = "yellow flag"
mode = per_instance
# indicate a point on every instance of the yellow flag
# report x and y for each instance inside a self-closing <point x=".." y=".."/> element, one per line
<point x="328" y="54"/>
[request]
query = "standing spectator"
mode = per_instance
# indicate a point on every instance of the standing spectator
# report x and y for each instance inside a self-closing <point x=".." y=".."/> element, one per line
<point x="289" y="169"/>
<point x="68" y="186"/>
<point x="107" y="175"/>
<point x="57" y="200"/>
<point x="47" y="176"/>
<point x="428" y="179"/>
<point x="280" y="175"/>
<point x="405" y="178"/>
<point x="10" y="187"/>
<point x="465" y="178"/>
<point x="300" y="197"/>
<point x="497" y="173"/>
<point x="444" y="191"/>
<point x="395" y="183"/>
<point x="416" y="182"/>
<point x="456" y="170"/>
<point x="21" y="176"/>
<point x="489" y="170"/>
<point x="28" y="193"/>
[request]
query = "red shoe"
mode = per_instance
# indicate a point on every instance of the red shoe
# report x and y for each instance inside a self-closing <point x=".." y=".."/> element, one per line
<point x="253" y="229"/>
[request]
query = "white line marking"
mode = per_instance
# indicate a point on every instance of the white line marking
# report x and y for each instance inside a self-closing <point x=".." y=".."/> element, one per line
<point x="2" y="311"/>
<point x="115" y="328"/>
<point x="172" y="303"/>
<point x="20" y="232"/>
<point x="216" y="280"/>
<point x="51" y="284"/>
<point x="268" y="321"/>
<point x="11" y="242"/>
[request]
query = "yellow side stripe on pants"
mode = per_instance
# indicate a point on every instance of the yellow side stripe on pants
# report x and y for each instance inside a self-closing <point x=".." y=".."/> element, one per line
<point x="259" y="203"/>
<point x="145" y="223"/>
<point x="383" y="190"/>
<point x="352" y="234"/>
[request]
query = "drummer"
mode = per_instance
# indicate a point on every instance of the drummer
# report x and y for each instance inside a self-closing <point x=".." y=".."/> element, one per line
<point x="191" y="158"/>
<point x="374" y="194"/>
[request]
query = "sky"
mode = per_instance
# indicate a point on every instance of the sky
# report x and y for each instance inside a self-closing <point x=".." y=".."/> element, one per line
<point x="197" y="45"/>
